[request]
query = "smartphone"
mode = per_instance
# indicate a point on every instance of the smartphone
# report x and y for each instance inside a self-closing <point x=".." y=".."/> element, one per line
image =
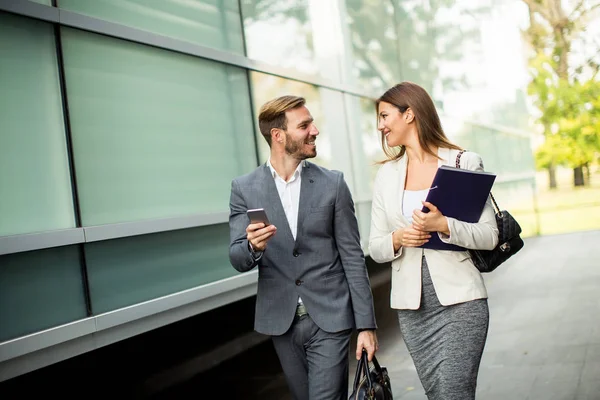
<point x="258" y="215"/>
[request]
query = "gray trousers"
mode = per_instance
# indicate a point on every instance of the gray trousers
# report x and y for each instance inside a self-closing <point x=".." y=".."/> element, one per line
<point x="315" y="362"/>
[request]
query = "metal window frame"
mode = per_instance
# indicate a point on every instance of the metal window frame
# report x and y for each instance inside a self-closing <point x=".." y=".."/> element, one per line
<point x="87" y="234"/>
<point x="30" y="352"/>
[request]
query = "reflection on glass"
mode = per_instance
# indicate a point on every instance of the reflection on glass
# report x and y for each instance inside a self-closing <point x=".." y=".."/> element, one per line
<point x="207" y="22"/>
<point x="300" y="35"/>
<point x="156" y="134"/>
<point x="366" y="149"/>
<point x="268" y="87"/>
<point x="370" y="137"/>
<point x="373" y="37"/>
<point x="467" y="55"/>
<point x="286" y="27"/>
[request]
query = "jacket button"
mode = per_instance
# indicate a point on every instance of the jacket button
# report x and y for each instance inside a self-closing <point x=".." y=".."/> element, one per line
<point x="298" y="282"/>
<point x="295" y="253"/>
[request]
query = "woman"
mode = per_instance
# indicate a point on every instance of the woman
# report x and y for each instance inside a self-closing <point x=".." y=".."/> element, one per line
<point x="440" y="295"/>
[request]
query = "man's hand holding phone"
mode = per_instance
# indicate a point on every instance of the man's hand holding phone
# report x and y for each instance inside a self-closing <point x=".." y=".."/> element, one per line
<point x="260" y="230"/>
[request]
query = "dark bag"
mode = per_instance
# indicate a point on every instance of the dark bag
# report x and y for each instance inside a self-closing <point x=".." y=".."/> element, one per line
<point x="509" y="242"/>
<point x="371" y="383"/>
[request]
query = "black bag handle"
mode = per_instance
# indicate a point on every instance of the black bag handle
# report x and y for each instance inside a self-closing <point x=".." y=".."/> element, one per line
<point x="491" y="195"/>
<point x="363" y="366"/>
<point x="358" y="374"/>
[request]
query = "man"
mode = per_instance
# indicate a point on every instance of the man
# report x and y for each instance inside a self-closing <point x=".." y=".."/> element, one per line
<point x="313" y="286"/>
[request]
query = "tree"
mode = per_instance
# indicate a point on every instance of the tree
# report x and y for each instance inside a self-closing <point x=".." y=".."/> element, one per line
<point x="556" y="84"/>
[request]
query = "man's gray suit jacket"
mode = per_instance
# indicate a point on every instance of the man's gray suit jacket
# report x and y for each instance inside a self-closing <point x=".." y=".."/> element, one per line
<point x="325" y="265"/>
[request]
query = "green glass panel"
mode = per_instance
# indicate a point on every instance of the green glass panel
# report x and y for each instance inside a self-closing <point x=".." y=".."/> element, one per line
<point x="212" y="23"/>
<point x="46" y="2"/>
<point x="155" y="133"/>
<point x="35" y="187"/>
<point x="39" y="290"/>
<point x="131" y="270"/>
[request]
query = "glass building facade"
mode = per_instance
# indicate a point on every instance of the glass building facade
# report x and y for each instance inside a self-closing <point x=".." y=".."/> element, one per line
<point x="123" y="123"/>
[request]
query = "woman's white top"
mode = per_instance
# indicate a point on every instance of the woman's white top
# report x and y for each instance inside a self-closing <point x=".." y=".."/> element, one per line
<point x="412" y="200"/>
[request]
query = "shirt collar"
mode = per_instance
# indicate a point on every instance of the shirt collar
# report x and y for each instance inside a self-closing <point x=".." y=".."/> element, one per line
<point x="296" y="173"/>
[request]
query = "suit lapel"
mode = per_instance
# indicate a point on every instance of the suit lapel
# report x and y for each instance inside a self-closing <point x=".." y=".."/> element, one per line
<point x="273" y="204"/>
<point x="307" y="194"/>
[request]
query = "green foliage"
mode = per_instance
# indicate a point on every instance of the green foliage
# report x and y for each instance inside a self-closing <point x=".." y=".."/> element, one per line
<point x="570" y="115"/>
<point x="569" y="103"/>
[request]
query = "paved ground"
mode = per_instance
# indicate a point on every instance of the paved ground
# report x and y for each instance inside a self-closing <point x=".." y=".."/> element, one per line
<point x="544" y="337"/>
<point x="543" y="342"/>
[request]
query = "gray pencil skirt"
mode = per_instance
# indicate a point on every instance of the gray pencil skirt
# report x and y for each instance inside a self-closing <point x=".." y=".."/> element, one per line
<point x="445" y="342"/>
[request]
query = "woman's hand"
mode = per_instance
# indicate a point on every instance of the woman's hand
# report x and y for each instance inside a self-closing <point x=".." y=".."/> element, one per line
<point x="433" y="221"/>
<point x="409" y="237"/>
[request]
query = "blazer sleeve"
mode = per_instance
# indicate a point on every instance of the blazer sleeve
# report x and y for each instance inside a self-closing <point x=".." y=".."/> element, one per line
<point x="482" y="235"/>
<point x="347" y="238"/>
<point x="240" y="255"/>
<point x="381" y="245"/>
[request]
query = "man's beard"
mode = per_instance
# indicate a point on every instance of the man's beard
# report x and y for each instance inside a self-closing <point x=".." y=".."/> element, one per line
<point x="294" y="148"/>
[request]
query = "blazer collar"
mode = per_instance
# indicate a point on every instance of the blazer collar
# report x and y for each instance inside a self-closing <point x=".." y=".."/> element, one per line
<point x="308" y="195"/>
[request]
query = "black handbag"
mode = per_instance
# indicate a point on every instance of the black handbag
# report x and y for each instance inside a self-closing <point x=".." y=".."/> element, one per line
<point x="371" y="383"/>
<point x="509" y="242"/>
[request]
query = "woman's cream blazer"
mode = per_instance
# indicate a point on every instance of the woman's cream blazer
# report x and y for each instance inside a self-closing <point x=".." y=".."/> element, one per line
<point x="454" y="276"/>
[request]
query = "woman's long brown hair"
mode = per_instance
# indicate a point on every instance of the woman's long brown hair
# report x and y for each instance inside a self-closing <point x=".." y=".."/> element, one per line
<point x="407" y="95"/>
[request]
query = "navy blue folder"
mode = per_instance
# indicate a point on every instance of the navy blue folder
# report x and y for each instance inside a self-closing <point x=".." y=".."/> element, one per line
<point x="458" y="193"/>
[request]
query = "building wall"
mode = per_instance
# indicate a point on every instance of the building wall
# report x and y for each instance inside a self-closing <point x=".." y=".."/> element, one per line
<point x="122" y="123"/>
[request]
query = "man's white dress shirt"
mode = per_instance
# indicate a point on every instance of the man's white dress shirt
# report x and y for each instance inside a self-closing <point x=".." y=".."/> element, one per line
<point x="289" y="193"/>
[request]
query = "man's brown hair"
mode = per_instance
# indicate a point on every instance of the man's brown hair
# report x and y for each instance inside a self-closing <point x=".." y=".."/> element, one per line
<point x="272" y="114"/>
<point x="407" y="95"/>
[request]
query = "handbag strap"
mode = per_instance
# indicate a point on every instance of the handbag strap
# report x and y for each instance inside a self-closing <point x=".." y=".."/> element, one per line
<point x="491" y="195"/>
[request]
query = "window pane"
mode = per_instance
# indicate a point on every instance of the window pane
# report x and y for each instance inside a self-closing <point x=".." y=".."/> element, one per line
<point x="367" y="150"/>
<point x="155" y="133"/>
<point x="39" y="290"/>
<point x="363" y="215"/>
<point x="302" y="35"/>
<point x="35" y="187"/>
<point x="468" y="55"/>
<point x="131" y="270"/>
<point x="372" y="40"/>
<point x="213" y="23"/>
